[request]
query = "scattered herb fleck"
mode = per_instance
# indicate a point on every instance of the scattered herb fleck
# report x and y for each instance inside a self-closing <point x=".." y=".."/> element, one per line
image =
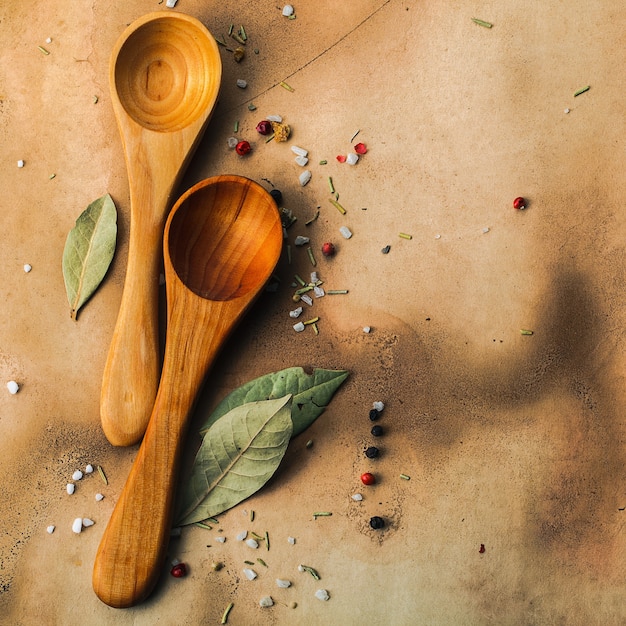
<point x="581" y="91"/>
<point x="338" y="206"/>
<point x="310" y="570"/>
<point x="103" y="475"/>
<point x="43" y="50"/>
<point x="321" y="514"/>
<point x="229" y="608"/>
<point x="405" y="236"/>
<point x="482" y="22"/>
<point x="284" y="85"/>
<point x="405" y="477"/>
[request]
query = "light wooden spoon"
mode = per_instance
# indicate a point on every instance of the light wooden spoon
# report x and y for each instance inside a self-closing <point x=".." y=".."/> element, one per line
<point x="222" y="242"/>
<point x="165" y="76"/>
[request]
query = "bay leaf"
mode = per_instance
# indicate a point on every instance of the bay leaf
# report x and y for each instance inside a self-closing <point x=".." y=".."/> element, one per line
<point x="89" y="250"/>
<point x="311" y="394"/>
<point x="238" y="455"/>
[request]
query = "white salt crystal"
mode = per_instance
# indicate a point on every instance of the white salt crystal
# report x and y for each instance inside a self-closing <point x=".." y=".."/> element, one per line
<point x="345" y="232"/>
<point x="357" y="497"/>
<point x="49" y="40"/>
<point x="170" y="4"/>
<point x="283" y="584"/>
<point x="379" y="406"/>
<point x="301" y="568"/>
<point x="77" y="475"/>
<point x="99" y="497"/>
<point x="486" y="229"/>
<point x="70" y="488"/>
<point x="305" y="177"/>
<point x="287" y="10"/>
<point x="299" y="327"/>
<point x="241" y="83"/>
<point x="50" y="529"/>
<point x="314" y="277"/>
<point x="299" y="151"/>
<point x="307" y="299"/>
<point x="437" y="236"/>
<point x="20" y="163"/>
<point x="250" y="574"/>
<point x="274" y="118"/>
<point x="318" y="291"/>
<point x="300" y="240"/>
<point x="367" y="329"/>
<point x="266" y="601"/>
<point x="352" y="158"/>
<point x="77" y="525"/>
<point x="322" y="594"/>
<point x="87" y="522"/>
<point x="232" y="142"/>
<point x="242" y="535"/>
<point x="566" y="111"/>
<point x="27" y="267"/>
<point x="13" y="387"/>
<point x="296" y="312"/>
<point x="291" y="540"/>
<point x="301" y="160"/>
<point x="252" y="543"/>
<point x="89" y="468"/>
<point x="220" y="539"/>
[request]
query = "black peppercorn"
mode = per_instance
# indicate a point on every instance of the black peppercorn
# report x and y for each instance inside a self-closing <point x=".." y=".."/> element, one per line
<point x="372" y="452"/>
<point x="374" y="415"/>
<point x="377" y="522"/>
<point x="277" y="195"/>
<point x="377" y="431"/>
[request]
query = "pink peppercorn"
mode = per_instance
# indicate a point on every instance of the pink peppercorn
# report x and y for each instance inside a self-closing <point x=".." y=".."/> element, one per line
<point x="242" y="148"/>
<point x="341" y="158"/>
<point x="519" y="203"/>
<point x="328" y="249"/>
<point x="360" y="148"/>
<point x="179" y="570"/>
<point x="264" y="127"/>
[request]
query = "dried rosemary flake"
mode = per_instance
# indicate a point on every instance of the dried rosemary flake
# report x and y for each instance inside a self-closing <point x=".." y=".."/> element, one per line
<point x="251" y="107"/>
<point x="230" y="29"/>
<point x="284" y="85"/>
<point x="405" y="236"/>
<point x="201" y="525"/>
<point x="310" y="570"/>
<point x="316" y="330"/>
<point x="229" y="608"/>
<point x="43" y="50"/>
<point x="252" y="516"/>
<point x="52" y="176"/>
<point x="236" y="126"/>
<point x="267" y="540"/>
<point x="304" y="289"/>
<point x="102" y="475"/>
<point x="95" y="99"/>
<point x="330" y="185"/>
<point x="323" y="162"/>
<point x="581" y="91"/>
<point x="354" y="136"/>
<point x="336" y="292"/>
<point x="526" y="332"/>
<point x="311" y="257"/>
<point x="262" y="562"/>
<point x="405" y="477"/>
<point x="299" y="279"/>
<point x="212" y="520"/>
<point x="311" y="321"/>
<point x="242" y="32"/>
<point x="309" y="443"/>
<point x="238" y="39"/>
<point x="258" y="537"/>
<point x="322" y="514"/>
<point x="482" y="22"/>
<point x="317" y="214"/>
<point x="338" y="206"/>
<point x="249" y="562"/>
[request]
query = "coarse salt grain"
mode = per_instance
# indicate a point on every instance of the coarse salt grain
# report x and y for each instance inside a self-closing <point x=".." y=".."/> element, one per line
<point x="266" y="601"/>
<point x="20" y="163"/>
<point x="49" y="40"/>
<point x="352" y="158"/>
<point x="322" y="594"/>
<point x="357" y="497"/>
<point x="301" y="160"/>
<point x="220" y="539"/>
<point x="250" y="574"/>
<point x="27" y="267"/>
<point x="13" y="387"/>
<point x="299" y="151"/>
<point x="70" y="488"/>
<point x="283" y="584"/>
<point x="318" y="291"/>
<point x="274" y="118"/>
<point x="242" y="535"/>
<point x="306" y="299"/>
<point x="379" y="406"/>
<point x="87" y="522"/>
<point x="241" y="83"/>
<point x="296" y="312"/>
<point x="99" y="497"/>
<point x="77" y="475"/>
<point x="287" y="10"/>
<point x="305" y="177"/>
<point x="89" y="468"/>
<point x="77" y="525"/>
<point x="367" y="329"/>
<point x="345" y="232"/>
<point x="291" y="540"/>
<point x="299" y="327"/>
<point x="170" y="4"/>
<point x="300" y="240"/>
<point x="252" y="543"/>
<point x="314" y="277"/>
<point x="50" y="529"/>
<point x="232" y="142"/>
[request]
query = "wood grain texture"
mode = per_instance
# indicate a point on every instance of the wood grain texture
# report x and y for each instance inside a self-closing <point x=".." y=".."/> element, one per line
<point x="222" y="242"/>
<point x="165" y="76"/>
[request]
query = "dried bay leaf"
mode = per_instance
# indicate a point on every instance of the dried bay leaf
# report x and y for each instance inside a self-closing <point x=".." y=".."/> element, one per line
<point x="238" y="455"/>
<point x="89" y="250"/>
<point x="311" y="394"/>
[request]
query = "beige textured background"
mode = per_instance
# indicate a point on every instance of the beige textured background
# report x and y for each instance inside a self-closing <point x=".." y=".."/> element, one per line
<point x="516" y="442"/>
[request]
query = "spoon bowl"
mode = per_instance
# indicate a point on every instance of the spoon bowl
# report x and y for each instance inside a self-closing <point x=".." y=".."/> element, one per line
<point x="222" y="241"/>
<point x="165" y="75"/>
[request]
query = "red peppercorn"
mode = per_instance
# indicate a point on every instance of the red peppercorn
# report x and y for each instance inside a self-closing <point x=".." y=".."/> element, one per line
<point x="519" y="203"/>
<point x="360" y="148"/>
<point x="482" y="548"/>
<point x="264" y="127"/>
<point x="328" y="249"/>
<point x="242" y="148"/>
<point x="368" y="479"/>
<point x="341" y="158"/>
<point x="179" y="570"/>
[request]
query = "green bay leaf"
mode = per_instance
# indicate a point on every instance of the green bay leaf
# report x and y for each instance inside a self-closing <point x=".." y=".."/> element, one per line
<point x="238" y="455"/>
<point x="311" y="394"/>
<point x="89" y="250"/>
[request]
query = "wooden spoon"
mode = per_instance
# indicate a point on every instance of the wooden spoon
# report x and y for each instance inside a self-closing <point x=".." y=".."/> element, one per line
<point x="222" y="241"/>
<point x="165" y="76"/>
